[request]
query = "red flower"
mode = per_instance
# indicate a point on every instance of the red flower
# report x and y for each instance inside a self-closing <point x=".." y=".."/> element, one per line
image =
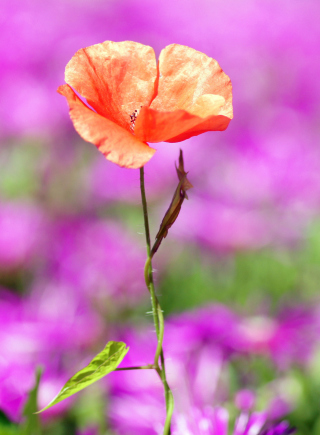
<point x="130" y="100"/>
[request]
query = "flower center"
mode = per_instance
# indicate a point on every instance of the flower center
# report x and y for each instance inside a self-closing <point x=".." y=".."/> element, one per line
<point x="133" y="118"/>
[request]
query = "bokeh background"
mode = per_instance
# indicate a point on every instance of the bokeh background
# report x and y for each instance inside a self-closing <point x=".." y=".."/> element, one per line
<point x="238" y="275"/>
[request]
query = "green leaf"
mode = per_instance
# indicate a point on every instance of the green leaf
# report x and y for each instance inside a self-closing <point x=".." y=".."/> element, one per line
<point x="32" y="423"/>
<point x="10" y="430"/>
<point x="101" y="365"/>
<point x="5" y="421"/>
<point x="7" y="427"/>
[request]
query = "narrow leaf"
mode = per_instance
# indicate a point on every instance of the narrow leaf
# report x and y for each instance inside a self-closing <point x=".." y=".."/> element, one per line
<point x="101" y="365"/>
<point x="32" y="424"/>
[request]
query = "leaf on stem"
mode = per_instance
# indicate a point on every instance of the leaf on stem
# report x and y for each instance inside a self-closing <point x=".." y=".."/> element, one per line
<point x="173" y="211"/>
<point x="101" y="365"/>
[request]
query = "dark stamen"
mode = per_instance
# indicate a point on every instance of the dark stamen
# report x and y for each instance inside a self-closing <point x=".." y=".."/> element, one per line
<point x="133" y="118"/>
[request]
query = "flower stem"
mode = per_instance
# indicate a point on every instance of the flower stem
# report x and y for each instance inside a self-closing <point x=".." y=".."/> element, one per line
<point x="157" y="312"/>
<point x="147" y="367"/>
<point x="148" y="277"/>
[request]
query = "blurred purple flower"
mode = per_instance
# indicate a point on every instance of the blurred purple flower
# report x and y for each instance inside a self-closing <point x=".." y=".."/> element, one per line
<point x="112" y="183"/>
<point x="98" y="259"/>
<point x="289" y="339"/>
<point x="280" y="406"/>
<point x="37" y="332"/>
<point x="214" y="421"/>
<point x="245" y="400"/>
<point x="296" y="337"/>
<point x="22" y="226"/>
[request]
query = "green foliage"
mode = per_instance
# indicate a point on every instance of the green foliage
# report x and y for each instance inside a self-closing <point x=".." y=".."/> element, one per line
<point x="62" y="426"/>
<point x="32" y="423"/>
<point x="91" y="409"/>
<point x="10" y="430"/>
<point x="19" y="175"/>
<point x="102" y="364"/>
<point x="243" y="280"/>
<point x="306" y="417"/>
<point x="7" y="427"/>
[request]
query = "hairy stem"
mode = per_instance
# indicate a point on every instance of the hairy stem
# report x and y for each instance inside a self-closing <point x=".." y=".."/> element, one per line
<point x="157" y="312"/>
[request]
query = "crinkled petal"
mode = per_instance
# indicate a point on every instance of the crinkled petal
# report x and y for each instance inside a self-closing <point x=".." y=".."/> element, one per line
<point x="193" y="96"/>
<point x="116" y="78"/>
<point x="185" y="75"/>
<point x="154" y="126"/>
<point x="117" y="144"/>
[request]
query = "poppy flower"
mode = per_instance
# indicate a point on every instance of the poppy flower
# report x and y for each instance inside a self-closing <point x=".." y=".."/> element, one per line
<point x="120" y="98"/>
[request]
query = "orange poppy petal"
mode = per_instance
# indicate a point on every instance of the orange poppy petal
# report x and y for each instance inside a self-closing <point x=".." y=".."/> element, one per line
<point x="116" y="78"/>
<point x="155" y="126"/>
<point x="117" y="144"/>
<point x="185" y="76"/>
<point x="214" y="123"/>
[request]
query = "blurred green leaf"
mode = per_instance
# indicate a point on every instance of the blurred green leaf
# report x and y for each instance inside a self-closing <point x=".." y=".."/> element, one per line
<point x="305" y="415"/>
<point x="10" y="430"/>
<point x="244" y="279"/>
<point x="316" y="427"/>
<point x="4" y="420"/>
<point x="101" y="365"/>
<point x="20" y="169"/>
<point x="7" y="427"/>
<point x="32" y="423"/>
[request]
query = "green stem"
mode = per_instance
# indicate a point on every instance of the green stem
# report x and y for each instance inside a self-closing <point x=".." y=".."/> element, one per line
<point x="157" y="312"/>
<point x="147" y="367"/>
<point x="148" y="277"/>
